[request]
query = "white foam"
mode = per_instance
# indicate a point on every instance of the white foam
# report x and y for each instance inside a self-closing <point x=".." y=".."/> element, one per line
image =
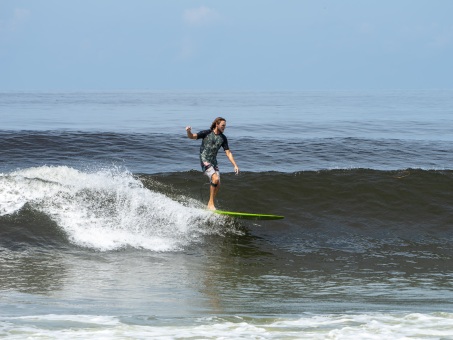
<point x="105" y="209"/>
<point x="329" y="326"/>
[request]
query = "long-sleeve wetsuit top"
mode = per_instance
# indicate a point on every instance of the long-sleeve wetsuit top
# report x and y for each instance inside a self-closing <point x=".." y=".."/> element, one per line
<point x="210" y="146"/>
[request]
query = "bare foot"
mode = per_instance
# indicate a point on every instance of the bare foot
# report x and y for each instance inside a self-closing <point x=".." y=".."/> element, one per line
<point x="211" y="207"/>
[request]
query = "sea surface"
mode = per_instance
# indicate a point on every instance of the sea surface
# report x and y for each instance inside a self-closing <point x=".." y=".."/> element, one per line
<point x="104" y="232"/>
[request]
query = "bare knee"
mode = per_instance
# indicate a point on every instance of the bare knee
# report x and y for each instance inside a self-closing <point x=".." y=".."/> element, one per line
<point x="215" y="179"/>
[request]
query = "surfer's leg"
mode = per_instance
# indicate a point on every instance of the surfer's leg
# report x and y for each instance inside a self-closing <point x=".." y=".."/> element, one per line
<point x="214" y="179"/>
<point x="214" y="189"/>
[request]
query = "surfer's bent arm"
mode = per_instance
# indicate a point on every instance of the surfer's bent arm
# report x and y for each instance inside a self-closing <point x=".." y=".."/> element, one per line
<point x="190" y="134"/>
<point x="231" y="158"/>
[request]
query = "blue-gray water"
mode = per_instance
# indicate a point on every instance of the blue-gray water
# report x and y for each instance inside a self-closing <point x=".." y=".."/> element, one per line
<point x="104" y="234"/>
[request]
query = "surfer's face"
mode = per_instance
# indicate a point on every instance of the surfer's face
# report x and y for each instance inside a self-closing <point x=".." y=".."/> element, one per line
<point x="221" y="126"/>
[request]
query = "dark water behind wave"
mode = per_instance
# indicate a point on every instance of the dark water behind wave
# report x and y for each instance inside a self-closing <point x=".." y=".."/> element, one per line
<point x="373" y="202"/>
<point x="347" y="210"/>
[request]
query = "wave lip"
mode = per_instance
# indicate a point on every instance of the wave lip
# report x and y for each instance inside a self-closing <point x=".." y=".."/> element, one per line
<point x="104" y="210"/>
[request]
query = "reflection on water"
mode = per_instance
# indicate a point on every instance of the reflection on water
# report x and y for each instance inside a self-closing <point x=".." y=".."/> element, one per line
<point x="240" y="272"/>
<point x="32" y="272"/>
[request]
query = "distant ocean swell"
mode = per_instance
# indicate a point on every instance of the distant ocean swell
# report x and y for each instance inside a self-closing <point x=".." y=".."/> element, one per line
<point x="173" y="152"/>
<point x="166" y="212"/>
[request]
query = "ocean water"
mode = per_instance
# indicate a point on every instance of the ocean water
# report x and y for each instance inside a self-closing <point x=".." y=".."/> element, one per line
<point x="104" y="232"/>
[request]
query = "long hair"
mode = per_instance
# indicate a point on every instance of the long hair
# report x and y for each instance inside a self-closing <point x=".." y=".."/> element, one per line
<point x="217" y="121"/>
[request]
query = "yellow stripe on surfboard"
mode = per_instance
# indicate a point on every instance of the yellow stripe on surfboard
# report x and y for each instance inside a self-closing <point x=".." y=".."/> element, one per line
<point x="249" y="216"/>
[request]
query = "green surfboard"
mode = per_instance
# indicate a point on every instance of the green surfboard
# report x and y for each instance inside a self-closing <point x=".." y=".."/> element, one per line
<point x="248" y="216"/>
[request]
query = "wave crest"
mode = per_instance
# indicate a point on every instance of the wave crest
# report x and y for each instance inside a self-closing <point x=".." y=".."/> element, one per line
<point x="105" y="209"/>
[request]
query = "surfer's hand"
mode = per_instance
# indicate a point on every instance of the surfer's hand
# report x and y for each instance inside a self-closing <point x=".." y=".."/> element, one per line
<point x="190" y="134"/>
<point x="236" y="170"/>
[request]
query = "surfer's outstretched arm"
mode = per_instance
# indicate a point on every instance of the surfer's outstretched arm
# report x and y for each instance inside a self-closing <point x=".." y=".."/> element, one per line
<point x="231" y="158"/>
<point x="190" y="134"/>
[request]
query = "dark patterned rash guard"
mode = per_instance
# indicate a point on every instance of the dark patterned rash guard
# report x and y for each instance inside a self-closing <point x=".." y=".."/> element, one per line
<point x="210" y="146"/>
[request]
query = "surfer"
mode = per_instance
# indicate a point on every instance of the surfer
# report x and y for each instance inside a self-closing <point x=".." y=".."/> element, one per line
<point x="213" y="139"/>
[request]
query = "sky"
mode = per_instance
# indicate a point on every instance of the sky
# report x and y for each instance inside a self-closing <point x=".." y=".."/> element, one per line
<point x="230" y="45"/>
